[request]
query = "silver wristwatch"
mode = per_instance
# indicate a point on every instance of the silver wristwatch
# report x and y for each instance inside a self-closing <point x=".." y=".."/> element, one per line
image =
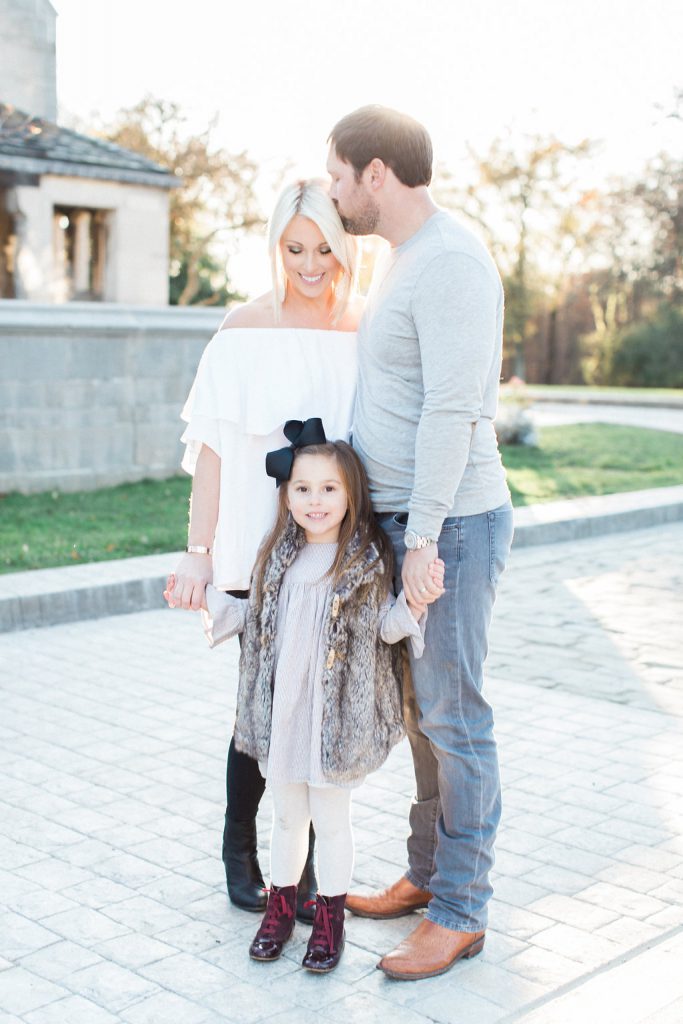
<point x="413" y="540"/>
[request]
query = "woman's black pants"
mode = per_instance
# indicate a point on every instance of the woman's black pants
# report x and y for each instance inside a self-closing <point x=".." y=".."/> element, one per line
<point x="244" y="784"/>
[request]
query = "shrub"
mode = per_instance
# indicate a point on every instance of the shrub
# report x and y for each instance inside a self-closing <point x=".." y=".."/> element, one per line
<point x="650" y="355"/>
<point x="513" y="422"/>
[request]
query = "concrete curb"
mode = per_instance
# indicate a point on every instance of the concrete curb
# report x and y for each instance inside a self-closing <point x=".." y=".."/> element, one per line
<point x="580" y="518"/>
<point x="50" y="597"/>
<point x="96" y="601"/>
<point x="568" y="397"/>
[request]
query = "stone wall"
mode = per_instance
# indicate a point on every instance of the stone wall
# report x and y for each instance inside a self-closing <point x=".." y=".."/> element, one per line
<point x="90" y="394"/>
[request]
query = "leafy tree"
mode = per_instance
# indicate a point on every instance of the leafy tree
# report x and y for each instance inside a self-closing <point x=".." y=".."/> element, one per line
<point x="659" y="194"/>
<point x="209" y="283"/>
<point x="635" y="296"/>
<point x="581" y="265"/>
<point x="525" y="199"/>
<point x="216" y="198"/>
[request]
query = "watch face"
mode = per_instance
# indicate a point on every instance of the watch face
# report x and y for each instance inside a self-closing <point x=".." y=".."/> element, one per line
<point x="410" y="539"/>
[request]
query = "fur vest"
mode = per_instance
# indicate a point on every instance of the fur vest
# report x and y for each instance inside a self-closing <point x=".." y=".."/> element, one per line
<point x="362" y="708"/>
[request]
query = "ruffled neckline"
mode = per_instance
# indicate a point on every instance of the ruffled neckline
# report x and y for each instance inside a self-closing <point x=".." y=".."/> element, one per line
<point x="281" y="330"/>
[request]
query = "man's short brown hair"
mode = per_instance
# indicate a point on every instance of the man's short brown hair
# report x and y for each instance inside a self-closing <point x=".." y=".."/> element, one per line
<point x="399" y="141"/>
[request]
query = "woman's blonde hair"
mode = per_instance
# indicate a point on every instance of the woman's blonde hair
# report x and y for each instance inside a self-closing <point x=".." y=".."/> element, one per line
<point x="310" y="198"/>
<point x="359" y="519"/>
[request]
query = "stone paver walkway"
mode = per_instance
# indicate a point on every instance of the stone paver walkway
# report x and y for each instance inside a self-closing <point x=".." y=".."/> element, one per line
<point x="114" y="734"/>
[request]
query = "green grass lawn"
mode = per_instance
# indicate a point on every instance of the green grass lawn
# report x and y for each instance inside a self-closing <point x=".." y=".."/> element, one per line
<point x="41" y="530"/>
<point x="592" y="458"/>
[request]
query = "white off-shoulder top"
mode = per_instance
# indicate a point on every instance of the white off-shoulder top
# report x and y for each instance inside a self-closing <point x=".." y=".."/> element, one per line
<point x="249" y="382"/>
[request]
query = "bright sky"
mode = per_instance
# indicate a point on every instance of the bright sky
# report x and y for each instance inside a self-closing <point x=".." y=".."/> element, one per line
<point x="280" y="72"/>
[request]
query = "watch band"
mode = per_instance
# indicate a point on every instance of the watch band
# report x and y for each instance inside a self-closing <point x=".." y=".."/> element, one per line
<point x="197" y="549"/>
<point x="413" y="541"/>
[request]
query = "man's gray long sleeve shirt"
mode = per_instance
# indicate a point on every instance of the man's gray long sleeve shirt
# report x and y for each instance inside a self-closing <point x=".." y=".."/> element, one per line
<point x="430" y="352"/>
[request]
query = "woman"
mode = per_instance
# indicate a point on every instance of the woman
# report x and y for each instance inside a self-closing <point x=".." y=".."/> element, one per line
<point x="288" y="354"/>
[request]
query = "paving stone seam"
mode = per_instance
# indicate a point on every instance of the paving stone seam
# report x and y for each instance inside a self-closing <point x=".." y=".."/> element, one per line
<point x="576" y="983"/>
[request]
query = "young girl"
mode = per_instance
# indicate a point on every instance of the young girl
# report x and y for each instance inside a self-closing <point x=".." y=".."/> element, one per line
<point x="319" y="698"/>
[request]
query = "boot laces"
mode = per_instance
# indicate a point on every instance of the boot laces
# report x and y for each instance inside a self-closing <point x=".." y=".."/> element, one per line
<point x="277" y="908"/>
<point x="322" y="935"/>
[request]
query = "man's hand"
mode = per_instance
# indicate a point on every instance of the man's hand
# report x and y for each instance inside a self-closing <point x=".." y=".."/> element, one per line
<point x="422" y="576"/>
<point x="437" y="570"/>
<point x="185" y="588"/>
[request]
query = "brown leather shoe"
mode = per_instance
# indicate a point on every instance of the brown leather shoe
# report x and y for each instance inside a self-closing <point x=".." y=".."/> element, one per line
<point x="399" y="899"/>
<point x="430" y="950"/>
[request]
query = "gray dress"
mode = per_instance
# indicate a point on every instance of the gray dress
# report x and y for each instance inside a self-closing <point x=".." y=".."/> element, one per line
<point x="303" y="607"/>
<point x="296" y="723"/>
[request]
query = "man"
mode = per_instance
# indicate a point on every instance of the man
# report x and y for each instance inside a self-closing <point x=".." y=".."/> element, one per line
<point x="430" y="349"/>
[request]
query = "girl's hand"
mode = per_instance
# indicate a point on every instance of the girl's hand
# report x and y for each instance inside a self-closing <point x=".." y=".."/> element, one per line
<point x="185" y="588"/>
<point x="437" y="571"/>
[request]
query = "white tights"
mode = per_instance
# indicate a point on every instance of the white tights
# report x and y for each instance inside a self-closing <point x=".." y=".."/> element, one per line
<point x="329" y="807"/>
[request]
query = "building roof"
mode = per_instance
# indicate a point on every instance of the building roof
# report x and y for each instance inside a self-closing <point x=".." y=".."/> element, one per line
<point x="33" y="146"/>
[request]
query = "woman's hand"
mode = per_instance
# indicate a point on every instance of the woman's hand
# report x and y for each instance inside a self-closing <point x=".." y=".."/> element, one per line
<point x="185" y="588"/>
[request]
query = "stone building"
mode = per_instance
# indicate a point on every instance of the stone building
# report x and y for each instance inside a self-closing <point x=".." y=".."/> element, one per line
<point x="94" y="363"/>
<point x="80" y="218"/>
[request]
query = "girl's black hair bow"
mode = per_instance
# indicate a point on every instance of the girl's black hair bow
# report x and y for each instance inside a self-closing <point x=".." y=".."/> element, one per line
<point x="301" y="433"/>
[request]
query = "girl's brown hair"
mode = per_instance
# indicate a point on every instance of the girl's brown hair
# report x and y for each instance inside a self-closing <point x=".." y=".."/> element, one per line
<point x="359" y="518"/>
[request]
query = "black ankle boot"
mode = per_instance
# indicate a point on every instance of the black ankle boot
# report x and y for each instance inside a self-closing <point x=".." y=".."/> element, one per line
<point x="243" y="874"/>
<point x="326" y="943"/>
<point x="308" y="886"/>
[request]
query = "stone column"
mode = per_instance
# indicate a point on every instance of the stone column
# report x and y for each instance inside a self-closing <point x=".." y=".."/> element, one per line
<point x="82" y="255"/>
<point x="60" y="285"/>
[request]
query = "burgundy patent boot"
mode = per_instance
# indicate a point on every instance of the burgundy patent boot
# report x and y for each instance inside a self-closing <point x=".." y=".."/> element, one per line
<point x="277" y="924"/>
<point x="326" y="943"/>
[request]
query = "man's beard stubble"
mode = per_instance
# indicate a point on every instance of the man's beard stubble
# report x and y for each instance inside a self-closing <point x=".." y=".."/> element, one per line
<point x="363" y="223"/>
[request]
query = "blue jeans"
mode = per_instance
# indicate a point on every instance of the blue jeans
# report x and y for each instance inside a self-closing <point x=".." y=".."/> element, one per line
<point x="454" y="817"/>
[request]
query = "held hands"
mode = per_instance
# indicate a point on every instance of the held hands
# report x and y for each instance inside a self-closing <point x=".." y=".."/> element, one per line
<point x="423" y="583"/>
<point x="418" y="582"/>
<point x="186" y="587"/>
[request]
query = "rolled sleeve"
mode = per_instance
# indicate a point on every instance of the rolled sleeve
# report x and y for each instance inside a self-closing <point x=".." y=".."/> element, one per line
<point x="398" y="623"/>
